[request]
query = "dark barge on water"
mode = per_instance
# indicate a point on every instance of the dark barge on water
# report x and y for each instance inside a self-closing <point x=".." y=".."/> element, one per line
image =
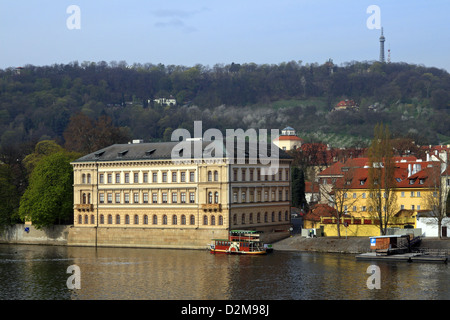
<point x="400" y="248"/>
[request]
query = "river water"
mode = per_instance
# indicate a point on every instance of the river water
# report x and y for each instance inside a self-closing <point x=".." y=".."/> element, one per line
<point x="32" y="272"/>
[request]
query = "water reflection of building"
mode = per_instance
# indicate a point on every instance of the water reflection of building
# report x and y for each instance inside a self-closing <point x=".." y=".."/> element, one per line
<point x="135" y="195"/>
<point x="131" y="273"/>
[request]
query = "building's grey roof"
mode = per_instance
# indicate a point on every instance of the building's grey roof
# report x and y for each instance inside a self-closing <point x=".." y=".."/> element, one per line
<point x="426" y="214"/>
<point x="163" y="151"/>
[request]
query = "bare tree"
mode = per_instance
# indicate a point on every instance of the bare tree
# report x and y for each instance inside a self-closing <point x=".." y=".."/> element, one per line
<point x="337" y="195"/>
<point x="382" y="184"/>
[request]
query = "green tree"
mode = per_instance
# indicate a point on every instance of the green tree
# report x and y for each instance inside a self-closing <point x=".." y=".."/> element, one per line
<point x="48" y="199"/>
<point x="42" y="149"/>
<point x="298" y="188"/>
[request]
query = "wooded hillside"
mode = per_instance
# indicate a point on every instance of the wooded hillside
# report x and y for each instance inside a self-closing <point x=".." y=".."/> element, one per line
<point x="37" y="103"/>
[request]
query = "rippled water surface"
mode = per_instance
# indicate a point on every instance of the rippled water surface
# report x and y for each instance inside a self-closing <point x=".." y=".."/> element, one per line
<point x="40" y="272"/>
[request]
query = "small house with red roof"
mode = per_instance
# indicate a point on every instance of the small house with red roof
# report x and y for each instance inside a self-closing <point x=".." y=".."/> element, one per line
<point x="288" y="140"/>
<point x="346" y="105"/>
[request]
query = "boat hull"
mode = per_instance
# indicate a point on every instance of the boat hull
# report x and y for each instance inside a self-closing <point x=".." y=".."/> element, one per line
<point x="239" y="252"/>
<point x="226" y="251"/>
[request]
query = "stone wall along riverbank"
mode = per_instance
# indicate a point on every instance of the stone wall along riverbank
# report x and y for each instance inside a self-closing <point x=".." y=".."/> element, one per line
<point x="353" y="245"/>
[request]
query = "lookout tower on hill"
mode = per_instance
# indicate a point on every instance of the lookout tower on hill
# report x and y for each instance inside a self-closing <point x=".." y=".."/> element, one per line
<point x="382" y="40"/>
<point x="288" y="139"/>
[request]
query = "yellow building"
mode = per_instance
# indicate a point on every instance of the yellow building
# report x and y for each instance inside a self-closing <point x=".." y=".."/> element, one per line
<point x="137" y="195"/>
<point x="348" y="188"/>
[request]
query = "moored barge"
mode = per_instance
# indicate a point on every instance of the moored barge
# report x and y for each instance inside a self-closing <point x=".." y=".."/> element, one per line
<point x="241" y="242"/>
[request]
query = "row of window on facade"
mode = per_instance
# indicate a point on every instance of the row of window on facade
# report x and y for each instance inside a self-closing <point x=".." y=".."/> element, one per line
<point x="370" y="208"/>
<point x="154" y="221"/>
<point x="250" y="174"/>
<point x="413" y="194"/>
<point x="244" y="219"/>
<point x="117" y="177"/>
<point x="238" y="175"/>
<point x="251" y="196"/>
<point x="86" y="197"/>
<point x="181" y="197"/>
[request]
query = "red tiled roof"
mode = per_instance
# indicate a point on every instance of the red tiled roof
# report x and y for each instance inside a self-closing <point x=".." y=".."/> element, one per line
<point x="320" y="210"/>
<point x="409" y="172"/>
<point x="427" y="177"/>
<point x="336" y="168"/>
<point x="288" y="138"/>
<point x="358" y="178"/>
<point x="333" y="170"/>
<point x="346" y="103"/>
<point x="311" y="187"/>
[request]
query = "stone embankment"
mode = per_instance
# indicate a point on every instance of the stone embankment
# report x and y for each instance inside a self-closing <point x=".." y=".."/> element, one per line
<point x="352" y="245"/>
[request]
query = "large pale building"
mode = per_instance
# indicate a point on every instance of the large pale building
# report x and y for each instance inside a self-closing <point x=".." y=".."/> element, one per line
<point x="136" y="195"/>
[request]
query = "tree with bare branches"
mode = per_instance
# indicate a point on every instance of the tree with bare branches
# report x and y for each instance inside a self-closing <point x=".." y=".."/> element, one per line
<point x="382" y="184"/>
<point x="337" y="195"/>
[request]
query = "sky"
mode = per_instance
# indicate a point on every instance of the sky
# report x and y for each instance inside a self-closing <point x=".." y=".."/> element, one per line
<point x="190" y="32"/>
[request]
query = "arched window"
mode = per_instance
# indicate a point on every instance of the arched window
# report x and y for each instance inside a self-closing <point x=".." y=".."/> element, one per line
<point x="117" y="219"/>
<point x="80" y="219"/>
<point x="209" y="176"/>
<point x="145" y="219"/>
<point x="136" y="219"/>
<point x="89" y="198"/>
<point x="265" y="217"/>
<point x="174" y="219"/>
<point x="250" y="218"/>
<point x="243" y="218"/>
<point x="192" y="219"/>
<point x="273" y="216"/>
<point x="109" y="219"/>
<point x="220" y="220"/>
<point x="216" y="176"/>
<point x="83" y="178"/>
<point x="86" y="219"/>
<point x="84" y="198"/>
<point x="235" y="219"/>
<point x="213" y="220"/>
<point x="92" y="219"/>
<point x="210" y="197"/>
<point x="88" y="178"/>
<point x="216" y="197"/>
<point x="286" y="216"/>
<point x="164" y="219"/>
<point x="102" y="219"/>
<point x="127" y="219"/>
<point x="258" y="217"/>
<point x="155" y="219"/>
<point x="205" y="220"/>
<point x="183" y="219"/>
<point x="279" y="216"/>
